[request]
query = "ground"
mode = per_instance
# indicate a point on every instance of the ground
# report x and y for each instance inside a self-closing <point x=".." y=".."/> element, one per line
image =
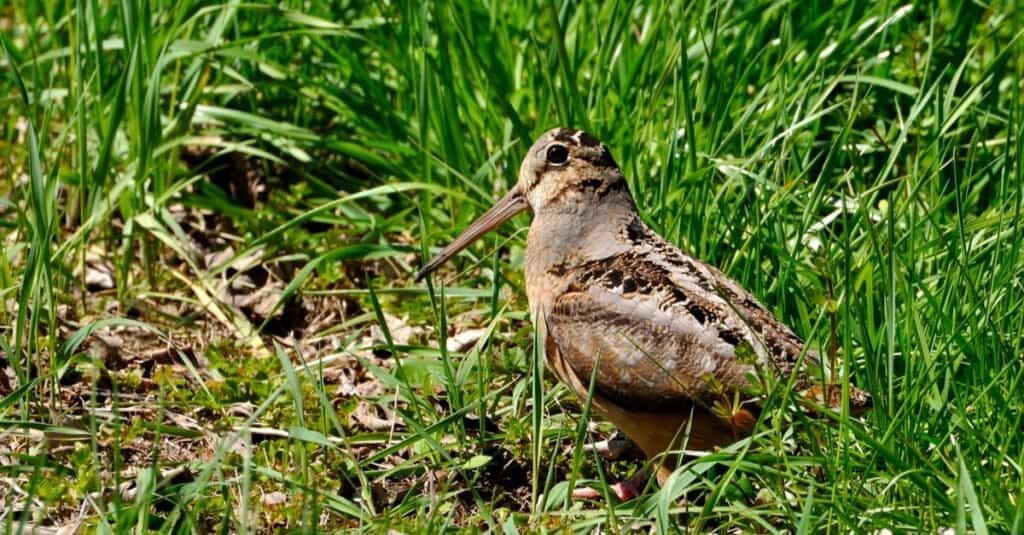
<point x="214" y="213"/>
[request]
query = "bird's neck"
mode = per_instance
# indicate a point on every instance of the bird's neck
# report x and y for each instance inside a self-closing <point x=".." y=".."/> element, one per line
<point x="566" y="236"/>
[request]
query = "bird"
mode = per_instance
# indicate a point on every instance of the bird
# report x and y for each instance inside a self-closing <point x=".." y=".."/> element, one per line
<point x="678" y="352"/>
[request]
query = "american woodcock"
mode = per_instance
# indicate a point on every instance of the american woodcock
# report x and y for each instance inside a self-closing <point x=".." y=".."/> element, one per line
<point x="677" y="345"/>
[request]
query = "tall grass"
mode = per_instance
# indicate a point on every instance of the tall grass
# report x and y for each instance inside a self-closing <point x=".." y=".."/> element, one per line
<point x="856" y="166"/>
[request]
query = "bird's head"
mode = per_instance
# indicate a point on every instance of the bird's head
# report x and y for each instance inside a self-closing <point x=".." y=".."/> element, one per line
<point x="564" y="170"/>
<point x="568" y="168"/>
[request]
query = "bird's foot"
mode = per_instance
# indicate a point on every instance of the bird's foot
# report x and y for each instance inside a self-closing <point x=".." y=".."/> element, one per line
<point x="623" y="490"/>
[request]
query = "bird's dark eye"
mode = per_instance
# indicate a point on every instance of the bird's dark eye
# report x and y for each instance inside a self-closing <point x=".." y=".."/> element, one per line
<point x="558" y="154"/>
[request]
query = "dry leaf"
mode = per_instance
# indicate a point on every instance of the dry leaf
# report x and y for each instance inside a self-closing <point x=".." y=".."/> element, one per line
<point x="464" y="340"/>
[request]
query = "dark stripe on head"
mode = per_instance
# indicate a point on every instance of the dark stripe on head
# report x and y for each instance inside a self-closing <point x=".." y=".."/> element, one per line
<point x="565" y="135"/>
<point x="605" y="158"/>
<point x="537" y="175"/>
<point x="576" y="137"/>
<point x="588" y="140"/>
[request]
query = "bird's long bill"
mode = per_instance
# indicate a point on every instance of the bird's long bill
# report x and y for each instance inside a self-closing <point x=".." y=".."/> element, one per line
<point x="509" y="205"/>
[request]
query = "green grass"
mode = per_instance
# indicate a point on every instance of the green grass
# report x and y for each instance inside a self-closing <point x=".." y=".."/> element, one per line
<point x="856" y="166"/>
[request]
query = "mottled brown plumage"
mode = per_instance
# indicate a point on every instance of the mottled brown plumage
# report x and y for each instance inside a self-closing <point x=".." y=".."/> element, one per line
<point x="675" y="342"/>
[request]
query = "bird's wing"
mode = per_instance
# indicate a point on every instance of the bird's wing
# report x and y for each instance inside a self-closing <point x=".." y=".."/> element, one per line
<point x="664" y="330"/>
<point x="783" y="347"/>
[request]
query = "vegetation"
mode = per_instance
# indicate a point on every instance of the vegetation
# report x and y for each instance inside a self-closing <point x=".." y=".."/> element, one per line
<point x="212" y="211"/>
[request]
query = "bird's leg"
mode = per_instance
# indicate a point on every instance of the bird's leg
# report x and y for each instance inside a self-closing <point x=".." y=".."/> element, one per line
<point x="618" y="446"/>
